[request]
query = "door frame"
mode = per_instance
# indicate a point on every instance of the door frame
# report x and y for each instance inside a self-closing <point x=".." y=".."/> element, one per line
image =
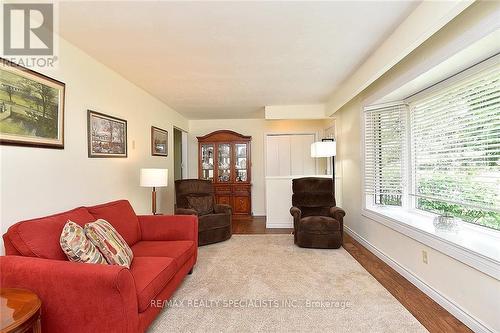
<point x="184" y="151"/>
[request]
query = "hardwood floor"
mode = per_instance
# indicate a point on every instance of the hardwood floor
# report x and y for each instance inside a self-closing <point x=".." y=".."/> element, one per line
<point x="255" y="225"/>
<point x="430" y="314"/>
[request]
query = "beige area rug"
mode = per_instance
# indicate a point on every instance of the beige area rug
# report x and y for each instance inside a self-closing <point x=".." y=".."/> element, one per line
<point x="262" y="283"/>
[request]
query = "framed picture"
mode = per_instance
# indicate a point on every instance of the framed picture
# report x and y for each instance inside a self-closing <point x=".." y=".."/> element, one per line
<point x="31" y="108"/>
<point x="107" y="135"/>
<point x="159" y="142"/>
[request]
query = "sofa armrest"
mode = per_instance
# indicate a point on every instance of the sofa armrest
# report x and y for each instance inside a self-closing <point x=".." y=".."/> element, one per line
<point x="296" y="212"/>
<point x="169" y="227"/>
<point x="337" y="213"/>
<point x="76" y="297"/>
<point x="297" y="215"/>
<point x="225" y="209"/>
<point x="185" y="211"/>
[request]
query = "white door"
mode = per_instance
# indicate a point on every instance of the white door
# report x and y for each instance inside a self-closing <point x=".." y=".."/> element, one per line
<point x="289" y="155"/>
<point x="301" y="162"/>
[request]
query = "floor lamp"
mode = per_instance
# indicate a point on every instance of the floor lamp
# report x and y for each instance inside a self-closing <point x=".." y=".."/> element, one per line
<point x="154" y="178"/>
<point x="326" y="148"/>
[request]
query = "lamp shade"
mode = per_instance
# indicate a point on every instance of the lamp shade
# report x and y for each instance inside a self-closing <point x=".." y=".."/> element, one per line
<point x="154" y="177"/>
<point x="323" y="149"/>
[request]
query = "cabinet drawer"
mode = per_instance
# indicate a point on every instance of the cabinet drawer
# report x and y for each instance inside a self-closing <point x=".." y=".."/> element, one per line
<point x="241" y="189"/>
<point x="223" y="189"/>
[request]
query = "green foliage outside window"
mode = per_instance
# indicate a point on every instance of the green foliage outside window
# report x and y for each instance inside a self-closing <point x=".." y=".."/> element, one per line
<point x="482" y="217"/>
<point x="470" y="192"/>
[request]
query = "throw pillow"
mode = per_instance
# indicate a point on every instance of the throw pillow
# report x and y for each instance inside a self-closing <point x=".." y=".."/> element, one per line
<point x="78" y="247"/>
<point x="109" y="242"/>
<point x="203" y="205"/>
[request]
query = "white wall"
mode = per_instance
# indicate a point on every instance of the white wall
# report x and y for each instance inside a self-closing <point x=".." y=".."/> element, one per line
<point x="257" y="128"/>
<point x="475" y="292"/>
<point x="37" y="182"/>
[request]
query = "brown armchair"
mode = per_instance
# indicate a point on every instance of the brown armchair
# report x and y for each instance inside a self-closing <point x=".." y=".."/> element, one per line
<point x="317" y="222"/>
<point x="196" y="197"/>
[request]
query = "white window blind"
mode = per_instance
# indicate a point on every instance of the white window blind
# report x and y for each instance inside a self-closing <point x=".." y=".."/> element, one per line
<point x="385" y="153"/>
<point x="455" y="138"/>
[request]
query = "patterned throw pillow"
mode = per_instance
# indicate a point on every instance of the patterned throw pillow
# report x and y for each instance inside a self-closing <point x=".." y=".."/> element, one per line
<point x="109" y="242"/>
<point x="203" y="205"/>
<point x="78" y="247"/>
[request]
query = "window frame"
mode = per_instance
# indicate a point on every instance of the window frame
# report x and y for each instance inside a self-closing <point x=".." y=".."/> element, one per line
<point x="475" y="245"/>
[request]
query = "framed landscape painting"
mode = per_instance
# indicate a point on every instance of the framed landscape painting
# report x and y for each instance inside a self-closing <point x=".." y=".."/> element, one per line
<point x="31" y="108"/>
<point x="107" y="135"/>
<point x="159" y="142"/>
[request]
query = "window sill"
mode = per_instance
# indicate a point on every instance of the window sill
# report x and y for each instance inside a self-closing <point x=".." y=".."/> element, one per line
<point x="473" y="245"/>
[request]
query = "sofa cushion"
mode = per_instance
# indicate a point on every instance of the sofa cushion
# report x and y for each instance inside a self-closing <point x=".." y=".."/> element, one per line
<point x="213" y="221"/>
<point x="78" y="247"/>
<point x="319" y="224"/>
<point x="111" y="244"/>
<point x="180" y="251"/>
<point x="121" y="216"/>
<point x="40" y="237"/>
<point x="151" y="275"/>
<point x="202" y="204"/>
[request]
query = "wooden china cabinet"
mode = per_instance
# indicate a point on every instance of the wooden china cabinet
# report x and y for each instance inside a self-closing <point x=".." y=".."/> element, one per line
<point x="224" y="158"/>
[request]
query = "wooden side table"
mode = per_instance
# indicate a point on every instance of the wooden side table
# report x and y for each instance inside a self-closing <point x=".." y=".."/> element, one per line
<point x="20" y="311"/>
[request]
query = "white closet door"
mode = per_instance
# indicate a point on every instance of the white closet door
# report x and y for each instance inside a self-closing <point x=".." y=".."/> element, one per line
<point x="272" y="161"/>
<point x="284" y="155"/>
<point x="310" y="162"/>
<point x="301" y="161"/>
<point x="289" y="155"/>
<point x="277" y="155"/>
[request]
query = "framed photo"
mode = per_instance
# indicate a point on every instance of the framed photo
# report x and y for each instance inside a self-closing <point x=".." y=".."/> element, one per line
<point x="31" y="108"/>
<point x="107" y="135"/>
<point x="159" y="142"/>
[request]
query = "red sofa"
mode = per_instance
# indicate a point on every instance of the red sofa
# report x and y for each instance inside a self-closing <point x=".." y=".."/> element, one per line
<point x="80" y="297"/>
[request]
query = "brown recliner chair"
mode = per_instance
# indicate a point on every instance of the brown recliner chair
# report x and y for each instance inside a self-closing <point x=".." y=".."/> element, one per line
<point x="196" y="197"/>
<point x="317" y="222"/>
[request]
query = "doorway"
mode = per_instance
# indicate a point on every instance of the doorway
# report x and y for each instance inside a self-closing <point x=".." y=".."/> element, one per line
<point x="180" y="154"/>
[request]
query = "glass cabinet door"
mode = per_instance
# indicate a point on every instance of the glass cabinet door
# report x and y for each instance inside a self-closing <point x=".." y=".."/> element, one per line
<point x="241" y="164"/>
<point x="224" y="162"/>
<point x="207" y="161"/>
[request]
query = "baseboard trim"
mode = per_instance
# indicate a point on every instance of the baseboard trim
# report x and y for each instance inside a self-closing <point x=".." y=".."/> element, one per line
<point x="278" y="225"/>
<point x="272" y="223"/>
<point x="455" y="309"/>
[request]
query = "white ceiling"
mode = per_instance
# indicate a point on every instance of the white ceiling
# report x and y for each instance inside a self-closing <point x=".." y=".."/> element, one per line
<point x="230" y="59"/>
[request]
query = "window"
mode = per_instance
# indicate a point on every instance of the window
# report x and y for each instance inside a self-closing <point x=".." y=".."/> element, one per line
<point x="384" y="154"/>
<point x="455" y="136"/>
<point x="440" y="150"/>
